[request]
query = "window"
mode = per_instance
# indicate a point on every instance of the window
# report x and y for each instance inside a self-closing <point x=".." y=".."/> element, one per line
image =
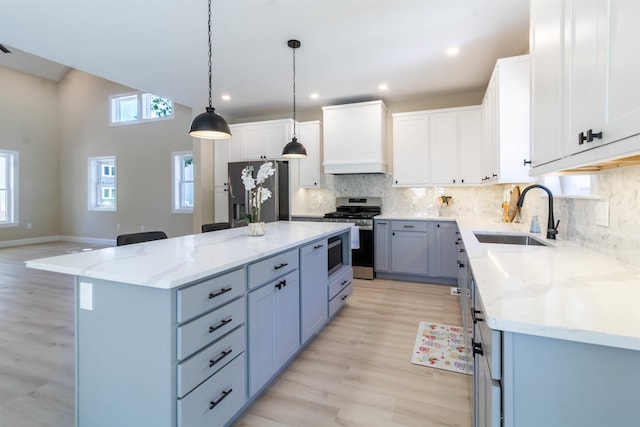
<point x="136" y="107"/>
<point x="8" y="188"/>
<point x="183" y="181"/>
<point x="102" y="184"/>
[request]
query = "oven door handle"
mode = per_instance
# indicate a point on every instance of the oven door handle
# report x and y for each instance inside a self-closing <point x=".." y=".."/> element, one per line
<point x="365" y="227"/>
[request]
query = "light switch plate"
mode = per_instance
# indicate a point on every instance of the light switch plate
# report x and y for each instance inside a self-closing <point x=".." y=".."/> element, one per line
<point x="602" y="214"/>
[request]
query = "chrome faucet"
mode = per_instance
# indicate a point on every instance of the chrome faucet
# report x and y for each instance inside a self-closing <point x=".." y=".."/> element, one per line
<point x="552" y="225"/>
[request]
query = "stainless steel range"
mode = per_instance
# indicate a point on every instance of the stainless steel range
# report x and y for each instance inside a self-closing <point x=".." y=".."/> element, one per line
<point x="360" y="212"/>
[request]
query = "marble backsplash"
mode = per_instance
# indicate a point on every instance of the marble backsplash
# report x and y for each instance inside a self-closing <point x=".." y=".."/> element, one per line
<point x="620" y="187"/>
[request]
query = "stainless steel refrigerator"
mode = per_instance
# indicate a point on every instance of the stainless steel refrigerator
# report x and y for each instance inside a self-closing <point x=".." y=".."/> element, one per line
<point x="276" y="208"/>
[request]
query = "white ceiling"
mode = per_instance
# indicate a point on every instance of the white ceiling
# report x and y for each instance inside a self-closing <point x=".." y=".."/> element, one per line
<point x="348" y="47"/>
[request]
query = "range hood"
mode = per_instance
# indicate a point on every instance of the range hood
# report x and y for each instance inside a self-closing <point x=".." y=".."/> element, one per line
<point x="355" y="138"/>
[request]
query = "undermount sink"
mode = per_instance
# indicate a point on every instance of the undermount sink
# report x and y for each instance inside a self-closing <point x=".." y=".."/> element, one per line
<point x="508" y="239"/>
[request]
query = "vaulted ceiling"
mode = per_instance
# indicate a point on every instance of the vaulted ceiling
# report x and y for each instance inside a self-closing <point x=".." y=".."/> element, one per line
<point x="349" y="47"/>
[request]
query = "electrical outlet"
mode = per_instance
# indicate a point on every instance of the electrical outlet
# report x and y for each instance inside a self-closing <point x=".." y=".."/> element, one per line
<point x="142" y="228"/>
<point x="455" y="291"/>
<point x="602" y="214"/>
<point x="117" y="226"/>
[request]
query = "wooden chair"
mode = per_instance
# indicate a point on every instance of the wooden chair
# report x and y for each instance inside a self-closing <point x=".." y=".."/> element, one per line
<point x="215" y="226"/>
<point x="144" y="236"/>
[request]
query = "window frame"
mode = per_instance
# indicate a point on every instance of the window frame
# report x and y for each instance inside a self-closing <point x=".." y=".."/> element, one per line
<point x="178" y="180"/>
<point x="143" y="108"/>
<point x="12" y="178"/>
<point x="96" y="184"/>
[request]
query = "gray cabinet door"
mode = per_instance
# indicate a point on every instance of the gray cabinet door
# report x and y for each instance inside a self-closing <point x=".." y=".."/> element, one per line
<point x="274" y="328"/>
<point x="444" y="255"/>
<point x="381" y="245"/>
<point x="409" y="252"/>
<point x="313" y="289"/>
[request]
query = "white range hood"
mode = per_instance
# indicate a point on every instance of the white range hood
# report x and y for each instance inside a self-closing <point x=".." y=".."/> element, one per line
<point x="355" y="138"/>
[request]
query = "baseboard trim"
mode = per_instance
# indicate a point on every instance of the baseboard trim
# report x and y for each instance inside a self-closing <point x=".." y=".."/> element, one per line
<point x="49" y="239"/>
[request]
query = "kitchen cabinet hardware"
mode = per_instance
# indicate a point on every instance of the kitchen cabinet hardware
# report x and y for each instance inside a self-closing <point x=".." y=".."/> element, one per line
<point x="474" y="315"/>
<point x="591" y="135"/>
<point x="222" y="355"/>
<point x="344" y="297"/>
<point x="212" y="295"/>
<point x="216" y="402"/>
<point x="526" y="162"/>
<point x="408" y="226"/>
<point x="220" y="325"/>
<point x="279" y="266"/>
<point x="581" y="138"/>
<point x="461" y="264"/>
<point x="494" y="175"/>
<point x="281" y="284"/>
<point x="344" y="282"/>
<point x="318" y="246"/>
<point x="438" y="225"/>
<point x="477" y="348"/>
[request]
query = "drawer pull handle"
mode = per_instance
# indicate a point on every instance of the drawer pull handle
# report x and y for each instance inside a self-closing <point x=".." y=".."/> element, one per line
<point x="408" y="226"/>
<point x="477" y="348"/>
<point x="216" y="402"/>
<point x="344" y="297"/>
<point x="278" y="267"/>
<point x="344" y="282"/>
<point x="212" y="295"/>
<point x="318" y="246"/>
<point x="281" y="284"/>
<point x="475" y="317"/>
<point x="219" y="325"/>
<point x="219" y="358"/>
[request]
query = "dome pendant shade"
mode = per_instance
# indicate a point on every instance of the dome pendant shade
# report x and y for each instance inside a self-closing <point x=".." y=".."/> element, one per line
<point x="294" y="149"/>
<point x="210" y="125"/>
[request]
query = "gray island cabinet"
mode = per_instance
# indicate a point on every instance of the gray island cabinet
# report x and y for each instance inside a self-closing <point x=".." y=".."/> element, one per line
<point x="186" y="332"/>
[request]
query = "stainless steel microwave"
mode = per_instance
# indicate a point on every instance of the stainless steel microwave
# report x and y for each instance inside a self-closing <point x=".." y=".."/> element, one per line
<point x="334" y="254"/>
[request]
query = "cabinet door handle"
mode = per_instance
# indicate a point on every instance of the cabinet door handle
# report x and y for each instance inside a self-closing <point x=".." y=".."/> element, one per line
<point x="279" y="266"/>
<point x="591" y="135"/>
<point x="220" y="357"/>
<point x="526" y="162"/>
<point x="318" y="246"/>
<point x="212" y="295"/>
<point x="382" y="223"/>
<point x="477" y="348"/>
<point x="219" y="325"/>
<point x="581" y="138"/>
<point x="475" y="317"/>
<point x="408" y="226"/>
<point x="225" y="393"/>
<point x="281" y="284"/>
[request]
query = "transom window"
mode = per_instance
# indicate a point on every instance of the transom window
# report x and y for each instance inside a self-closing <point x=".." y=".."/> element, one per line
<point x="135" y="107"/>
<point x="102" y="184"/>
<point x="183" y="185"/>
<point x="8" y="188"/>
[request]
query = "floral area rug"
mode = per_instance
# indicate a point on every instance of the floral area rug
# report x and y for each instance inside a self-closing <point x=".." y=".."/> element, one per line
<point x="442" y="346"/>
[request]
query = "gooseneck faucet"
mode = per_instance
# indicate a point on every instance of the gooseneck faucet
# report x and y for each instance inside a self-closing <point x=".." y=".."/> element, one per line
<point x="552" y="226"/>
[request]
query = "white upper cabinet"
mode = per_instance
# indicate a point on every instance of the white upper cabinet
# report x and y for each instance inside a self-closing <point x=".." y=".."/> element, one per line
<point x="455" y="140"/>
<point x="547" y="44"/>
<point x="507" y="121"/>
<point x="309" y="171"/>
<point x="410" y="148"/>
<point x="600" y="117"/>
<point x="265" y="140"/>
<point x="354" y="138"/>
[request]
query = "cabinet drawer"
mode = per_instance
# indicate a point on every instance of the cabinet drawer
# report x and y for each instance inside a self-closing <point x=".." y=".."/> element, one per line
<point x="200" y="332"/>
<point x="340" y="300"/>
<point x="204" y="296"/>
<point x="409" y="225"/>
<point x="340" y="282"/>
<point x="210" y="360"/>
<point x="218" y="399"/>
<point x="272" y="267"/>
<point x="491" y="346"/>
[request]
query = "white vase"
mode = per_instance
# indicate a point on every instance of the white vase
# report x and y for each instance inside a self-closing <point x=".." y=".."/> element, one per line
<point x="256" y="229"/>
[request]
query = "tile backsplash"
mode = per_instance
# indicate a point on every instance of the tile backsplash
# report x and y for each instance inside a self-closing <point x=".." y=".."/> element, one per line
<point x="620" y="187"/>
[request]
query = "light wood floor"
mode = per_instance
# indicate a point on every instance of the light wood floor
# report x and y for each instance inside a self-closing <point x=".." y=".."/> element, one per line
<point x="356" y="372"/>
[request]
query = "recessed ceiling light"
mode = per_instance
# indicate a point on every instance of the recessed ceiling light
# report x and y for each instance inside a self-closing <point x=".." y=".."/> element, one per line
<point x="453" y="51"/>
<point x="383" y="86"/>
<point x="315" y="96"/>
<point x="226" y="97"/>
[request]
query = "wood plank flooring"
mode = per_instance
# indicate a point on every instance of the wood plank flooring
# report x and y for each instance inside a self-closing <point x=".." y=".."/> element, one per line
<point x="356" y="372"/>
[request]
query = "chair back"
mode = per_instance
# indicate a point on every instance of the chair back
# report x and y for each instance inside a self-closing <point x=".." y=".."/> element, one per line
<point x="143" y="236"/>
<point x="215" y="226"/>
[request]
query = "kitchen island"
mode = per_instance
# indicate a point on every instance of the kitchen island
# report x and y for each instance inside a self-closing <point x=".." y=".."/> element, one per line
<point x="188" y="331"/>
<point x="556" y="332"/>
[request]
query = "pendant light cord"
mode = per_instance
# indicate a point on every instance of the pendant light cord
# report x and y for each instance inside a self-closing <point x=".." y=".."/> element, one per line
<point x="210" y="104"/>
<point x="294" y="92"/>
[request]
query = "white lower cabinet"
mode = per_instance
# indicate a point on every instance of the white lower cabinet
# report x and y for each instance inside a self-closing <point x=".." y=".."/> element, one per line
<point x="274" y="328"/>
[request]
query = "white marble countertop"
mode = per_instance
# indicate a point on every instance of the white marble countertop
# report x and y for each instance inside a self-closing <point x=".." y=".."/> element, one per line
<point x="562" y="291"/>
<point x="169" y="263"/>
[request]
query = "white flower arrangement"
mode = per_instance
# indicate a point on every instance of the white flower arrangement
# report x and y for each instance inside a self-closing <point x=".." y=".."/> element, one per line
<point x="257" y="193"/>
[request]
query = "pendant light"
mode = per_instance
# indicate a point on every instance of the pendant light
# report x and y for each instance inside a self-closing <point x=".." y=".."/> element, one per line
<point x="210" y="125"/>
<point x="294" y="149"/>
